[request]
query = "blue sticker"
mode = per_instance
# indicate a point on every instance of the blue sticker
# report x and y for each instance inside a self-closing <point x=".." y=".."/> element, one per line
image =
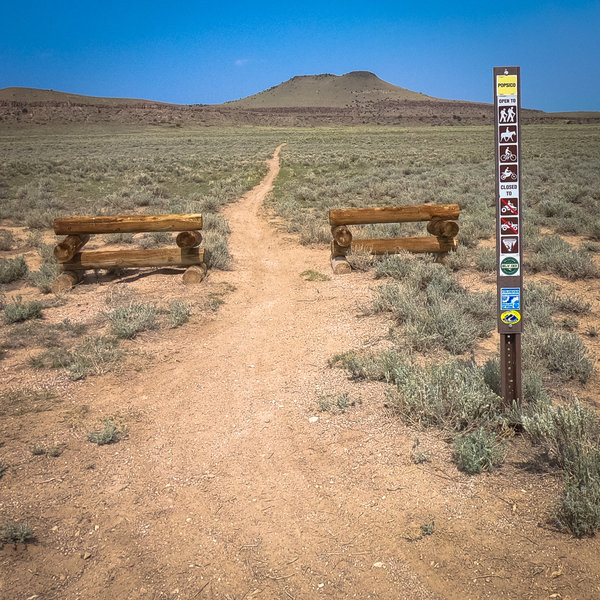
<point x="510" y="299"/>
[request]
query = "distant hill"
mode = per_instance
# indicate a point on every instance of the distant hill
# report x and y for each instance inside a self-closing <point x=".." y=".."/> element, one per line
<point x="356" y="98"/>
<point x="306" y="91"/>
<point x="33" y="95"/>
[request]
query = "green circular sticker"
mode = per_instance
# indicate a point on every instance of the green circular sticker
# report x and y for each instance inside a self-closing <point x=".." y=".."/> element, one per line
<point x="509" y="265"/>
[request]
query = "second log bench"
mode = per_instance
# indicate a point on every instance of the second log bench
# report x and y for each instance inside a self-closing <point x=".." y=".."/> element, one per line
<point x="441" y="224"/>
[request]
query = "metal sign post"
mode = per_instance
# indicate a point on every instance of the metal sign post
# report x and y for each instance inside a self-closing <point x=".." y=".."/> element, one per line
<point x="509" y="224"/>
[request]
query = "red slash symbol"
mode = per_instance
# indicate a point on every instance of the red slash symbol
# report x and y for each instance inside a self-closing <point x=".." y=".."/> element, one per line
<point x="509" y="225"/>
<point x="508" y="207"/>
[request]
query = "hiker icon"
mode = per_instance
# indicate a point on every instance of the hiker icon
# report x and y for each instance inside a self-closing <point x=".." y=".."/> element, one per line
<point x="507" y="116"/>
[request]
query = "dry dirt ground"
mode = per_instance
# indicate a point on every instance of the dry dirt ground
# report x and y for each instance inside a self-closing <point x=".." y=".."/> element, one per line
<point x="232" y="484"/>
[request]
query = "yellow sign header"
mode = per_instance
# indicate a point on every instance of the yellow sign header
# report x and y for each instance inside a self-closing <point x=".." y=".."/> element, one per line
<point x="507" y="85"/>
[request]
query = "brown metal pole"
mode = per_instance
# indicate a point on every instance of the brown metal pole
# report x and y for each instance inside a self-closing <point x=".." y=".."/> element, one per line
<point x="509" y="226"/>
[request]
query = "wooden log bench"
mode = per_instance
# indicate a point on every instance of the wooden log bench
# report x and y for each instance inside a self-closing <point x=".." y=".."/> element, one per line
<point x="441" y="225"/>
<point x="74" y="261"/>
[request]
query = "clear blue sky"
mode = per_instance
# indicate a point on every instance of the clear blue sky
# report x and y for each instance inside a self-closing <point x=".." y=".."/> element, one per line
<point x="210" y="52"/>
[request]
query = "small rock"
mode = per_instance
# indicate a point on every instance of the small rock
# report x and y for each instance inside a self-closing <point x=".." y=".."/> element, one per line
<point x="86" y="556"/>
<point x="378" y="565"/>
<point x="313" y="419"/>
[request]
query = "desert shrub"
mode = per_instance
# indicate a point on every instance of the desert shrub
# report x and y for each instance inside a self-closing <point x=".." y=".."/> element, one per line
<point x="14" y="532"/>
<point x="44" y="276"/>
<point x="532" y="386"/>
<point x="7" y="239"/>
<point x="360" y="260"/>
<point x="92" y="357"/>
<point x="109" y="434"/>
<point x="12" y="269"/>
<point x="216" y="223"/>
<point x="3" y="468"/>
<point x="48" y="270"/>
<point x="397" y="266"/>
<point x="155" y="239"/>
<point x="129" y="320"/>
<point x="451" y="395"/>
<point x="478" y="451"/>
<point x="18" y="311"/>
<point x="119" y="238"/>
<point x="216" y="254"/>
<point x="485" y="260"/>
<point x="39" y="219"/>
<point x="579" y="507"/>
<point x="179" y="313"/>
<point x="433" y="310"/>
<point x="593" y="229"/>
<point x="554" y="255"/>
<point x="314" y="232"/>
<point x="560" y="352"/>
<point x="570" y="435"/>
<point x="564" y="432"/>
<point x="312" y="275"/>
<point x="460" y="259"/>
<point x="389" y="365"/>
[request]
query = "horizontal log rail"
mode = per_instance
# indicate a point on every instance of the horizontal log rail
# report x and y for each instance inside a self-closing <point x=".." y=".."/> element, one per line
<point x="393" y="214"/>
<point x="411" y="244"/>
<point x="126" y="224"/>
<point x="158" y="257"/>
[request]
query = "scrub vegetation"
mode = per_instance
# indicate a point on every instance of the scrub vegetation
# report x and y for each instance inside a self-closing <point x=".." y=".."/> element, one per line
<point x="436" y="370"/>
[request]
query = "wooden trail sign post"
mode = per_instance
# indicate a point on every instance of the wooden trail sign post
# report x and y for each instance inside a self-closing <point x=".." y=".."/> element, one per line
<point x="509" y="225"/>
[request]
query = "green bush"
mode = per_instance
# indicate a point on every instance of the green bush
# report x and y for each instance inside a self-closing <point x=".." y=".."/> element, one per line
<point x="486" y="260"/>
<point x="451" y="395"/>
<point x="579" y="507"/>
<point x="18" y="311"/>
<point x="560" y="352"/>
<point x="216" y="254"/>
<point x="17" y="532"/>
<point x="12" y="269"/>
<point x="179" y="313"/>
<point x="389" y="365"/>
<point x="108" y="435"/>
<point x="554" y="255"/>
<point x="7" y="239"/>
<point x="127" y="321"/>
<point x="571" y="436"/>
<point x="478" y="451"/>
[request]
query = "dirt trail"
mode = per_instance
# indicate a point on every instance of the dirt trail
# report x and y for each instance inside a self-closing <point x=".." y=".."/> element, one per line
<point x="228" y="487"/>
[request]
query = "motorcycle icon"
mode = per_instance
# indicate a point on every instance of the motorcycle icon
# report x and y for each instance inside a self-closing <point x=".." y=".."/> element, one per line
<point x="508" y="174"/>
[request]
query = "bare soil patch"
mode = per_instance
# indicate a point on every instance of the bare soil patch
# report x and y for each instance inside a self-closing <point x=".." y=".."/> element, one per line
<point x="231" y="482"/>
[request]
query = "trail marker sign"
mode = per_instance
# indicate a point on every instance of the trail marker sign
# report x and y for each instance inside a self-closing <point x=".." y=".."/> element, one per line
<point x="509" y="225"/>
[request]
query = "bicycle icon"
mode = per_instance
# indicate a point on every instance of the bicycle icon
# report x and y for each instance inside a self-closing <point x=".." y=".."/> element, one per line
<point x="508" y="156"/>
<point x="508" y="174"/>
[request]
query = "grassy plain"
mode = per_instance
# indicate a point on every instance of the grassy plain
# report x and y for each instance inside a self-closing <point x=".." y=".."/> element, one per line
<point x="444" y="313"/>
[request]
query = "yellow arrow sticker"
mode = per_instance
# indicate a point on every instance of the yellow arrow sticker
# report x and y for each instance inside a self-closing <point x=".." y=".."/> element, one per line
<point x="510" y="317"/>
<point x="507" y="85"/>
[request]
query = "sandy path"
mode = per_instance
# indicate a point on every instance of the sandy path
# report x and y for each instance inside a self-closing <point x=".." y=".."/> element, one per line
<point x="225" y="483"/>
